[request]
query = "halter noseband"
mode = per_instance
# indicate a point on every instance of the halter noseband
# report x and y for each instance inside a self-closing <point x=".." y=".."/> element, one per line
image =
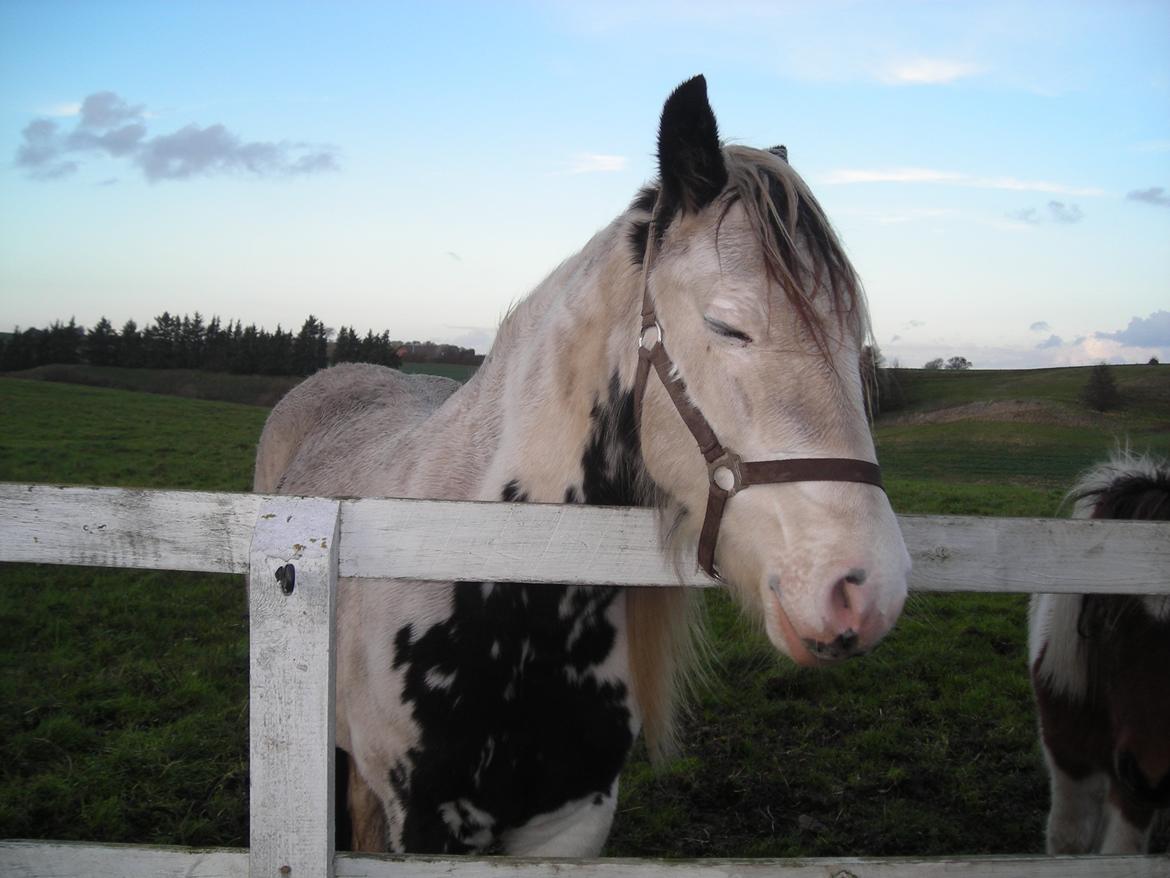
<point x="727" y="472"/>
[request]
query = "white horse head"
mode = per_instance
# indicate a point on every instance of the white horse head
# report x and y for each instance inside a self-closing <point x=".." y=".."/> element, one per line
<point x="764" y="321"/>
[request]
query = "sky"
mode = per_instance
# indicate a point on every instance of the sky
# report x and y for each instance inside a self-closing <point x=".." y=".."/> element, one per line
<point x="999" y="172"/>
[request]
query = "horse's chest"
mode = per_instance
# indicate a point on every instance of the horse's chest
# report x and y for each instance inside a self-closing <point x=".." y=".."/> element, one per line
<point x="522" y="704"/>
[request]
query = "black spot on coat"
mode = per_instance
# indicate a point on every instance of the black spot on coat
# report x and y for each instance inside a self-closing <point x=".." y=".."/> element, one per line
<point x="612" y="462"/>
<point x="513" y="494"/>
<point x="521" y="726"/>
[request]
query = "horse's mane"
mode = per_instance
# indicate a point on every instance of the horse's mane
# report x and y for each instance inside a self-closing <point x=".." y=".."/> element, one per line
<point x="802" y="253"/>
<point x="1127" y="486"/>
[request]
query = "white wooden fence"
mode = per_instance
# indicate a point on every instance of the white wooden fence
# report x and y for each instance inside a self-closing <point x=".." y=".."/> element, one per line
<point x="295" y="549"/>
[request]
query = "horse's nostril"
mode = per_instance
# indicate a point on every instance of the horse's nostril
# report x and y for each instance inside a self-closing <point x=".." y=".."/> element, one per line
<point x="846" y="643"/>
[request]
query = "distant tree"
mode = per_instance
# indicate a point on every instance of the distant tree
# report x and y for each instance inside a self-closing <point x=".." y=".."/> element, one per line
<point x="61" y="344"/>
<point x="276" y="352"/>
<point x="372" y="347"/>
<point x="160" y="342"/>
<point x="310" y="350"/>
<point x="379" y="349"/>
<point x="101" y="344"/>
<point x="1153" y="361"/>
<point x="958" y="363"/>
<point x="190" y="342"/>
<point x="348" y="347"/>
<point x="21" y="350"/>
<point x="936" y="363"/>
<point x="129" y="354"/>
<point x="882" y="391"/>
<point x="245" y="355"/>
<point x="1100" y="391"/>
<point x="216" y="347"/>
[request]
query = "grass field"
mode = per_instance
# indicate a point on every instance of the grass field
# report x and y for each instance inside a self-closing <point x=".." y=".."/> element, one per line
<point x="1144" y="389"/>
<point x="447" y="370"/>
<point x="262" y="390"/>
<point x="124" y="693"/>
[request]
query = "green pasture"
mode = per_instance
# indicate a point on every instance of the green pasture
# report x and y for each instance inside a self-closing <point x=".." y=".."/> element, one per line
<point x="1144" y="389"/>
<point x="263" y="390"/>
<point x="457" y="371"/>
<point x="123" y="695"/>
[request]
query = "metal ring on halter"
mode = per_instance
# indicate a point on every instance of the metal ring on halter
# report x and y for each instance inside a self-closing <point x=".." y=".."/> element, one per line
<point x="724" y="469"/>
<point x="656" y="327"/>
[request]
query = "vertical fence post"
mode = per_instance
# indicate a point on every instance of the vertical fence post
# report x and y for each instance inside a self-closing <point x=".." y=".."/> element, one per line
<point x="292" y="588"/>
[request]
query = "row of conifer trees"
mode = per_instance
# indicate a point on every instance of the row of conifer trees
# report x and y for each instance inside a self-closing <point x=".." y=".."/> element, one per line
<point x="173" y="342"/>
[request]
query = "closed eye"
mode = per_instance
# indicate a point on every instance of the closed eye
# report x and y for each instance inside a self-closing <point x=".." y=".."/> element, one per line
<point x="727" y="331"/>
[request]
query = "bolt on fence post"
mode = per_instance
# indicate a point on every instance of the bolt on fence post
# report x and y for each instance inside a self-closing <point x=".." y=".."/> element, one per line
<point x="292" y="597"/>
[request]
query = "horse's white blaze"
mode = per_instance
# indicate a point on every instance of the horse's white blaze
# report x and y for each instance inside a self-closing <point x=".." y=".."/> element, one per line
<point x="785" y="548"/>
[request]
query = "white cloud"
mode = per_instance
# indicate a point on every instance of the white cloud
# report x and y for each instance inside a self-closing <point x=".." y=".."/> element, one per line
<point x="915" y="214"/>
<point x="846" y="176"/>
<point x="927" y="71"/>
<point x="478" y="338"/>
<point x="1058" y="212"/>
<point x="890" y="175"/>
<point x="62" y="111"/>
<point x="110" y="126"/>
<point x="1155" y="195"/>
<point x="1147" y="339"/>
<point x="1152" y="331"/>
<point x="1014" y="185"/>
<point x="594" y="163"/>
<point x="1065" y="213"/>
<point x="1152" y="146"/>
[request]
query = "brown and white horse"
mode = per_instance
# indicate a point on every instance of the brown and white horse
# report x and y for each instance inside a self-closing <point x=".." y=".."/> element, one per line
<point x="1101" y="672"/>
<point x="496" y="716"/>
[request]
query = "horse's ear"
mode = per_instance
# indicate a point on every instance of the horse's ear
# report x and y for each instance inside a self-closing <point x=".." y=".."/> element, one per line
<point x="689" y="158"/>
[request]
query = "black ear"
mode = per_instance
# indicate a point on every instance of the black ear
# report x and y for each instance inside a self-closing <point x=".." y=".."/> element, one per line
<point x="689" y="158"/>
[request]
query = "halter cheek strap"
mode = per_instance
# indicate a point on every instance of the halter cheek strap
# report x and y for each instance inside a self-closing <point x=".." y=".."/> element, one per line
<point x="727" y="472"/>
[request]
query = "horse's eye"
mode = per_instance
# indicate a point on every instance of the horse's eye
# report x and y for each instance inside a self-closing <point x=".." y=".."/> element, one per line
<point x="727" y="331"/>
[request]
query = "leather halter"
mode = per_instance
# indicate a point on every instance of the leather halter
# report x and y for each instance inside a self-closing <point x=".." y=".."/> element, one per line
<point x="727" y="472"/>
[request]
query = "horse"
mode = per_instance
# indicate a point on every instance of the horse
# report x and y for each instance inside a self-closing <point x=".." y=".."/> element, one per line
<point x="1100" y="667"/>
<point x="718" y="309"/>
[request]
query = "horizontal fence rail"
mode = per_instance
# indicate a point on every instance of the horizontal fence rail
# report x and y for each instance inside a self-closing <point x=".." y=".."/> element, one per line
<point x="535" y="542"/>
<point x="292" y="660"/>
<point x="43" y="859"/>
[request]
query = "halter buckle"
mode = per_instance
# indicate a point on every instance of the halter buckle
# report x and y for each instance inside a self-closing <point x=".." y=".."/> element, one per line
<point x="654" y="327"/>
<point x="725" y="474"/>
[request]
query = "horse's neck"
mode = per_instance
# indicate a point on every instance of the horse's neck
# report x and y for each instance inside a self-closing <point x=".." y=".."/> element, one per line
<point x="526" y="418"/>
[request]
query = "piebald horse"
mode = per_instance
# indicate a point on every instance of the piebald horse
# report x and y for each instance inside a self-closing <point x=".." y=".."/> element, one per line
<point x="1101" y="672"/>
<point x="718" y="310"/>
